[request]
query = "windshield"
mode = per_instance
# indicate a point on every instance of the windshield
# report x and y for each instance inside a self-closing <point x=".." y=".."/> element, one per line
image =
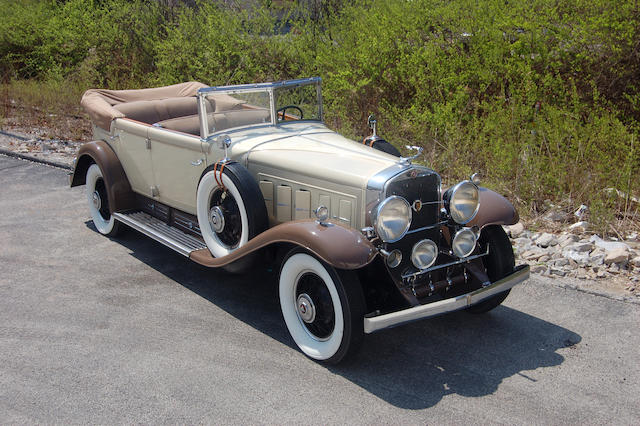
<point x="298" y="103"/>
<point x="230" y="107"/>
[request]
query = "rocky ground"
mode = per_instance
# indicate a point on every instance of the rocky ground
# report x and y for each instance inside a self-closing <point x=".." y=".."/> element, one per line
<point x="610" y="267"/>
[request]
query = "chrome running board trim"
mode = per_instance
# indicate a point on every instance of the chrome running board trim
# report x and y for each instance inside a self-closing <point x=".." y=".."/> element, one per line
<point x="158" y="230"/>
<point x="392" y="319"/>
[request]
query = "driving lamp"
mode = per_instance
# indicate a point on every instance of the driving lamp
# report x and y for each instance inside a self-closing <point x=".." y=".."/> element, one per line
<point x="464" y="242"/>
<point x="424" y="254"/>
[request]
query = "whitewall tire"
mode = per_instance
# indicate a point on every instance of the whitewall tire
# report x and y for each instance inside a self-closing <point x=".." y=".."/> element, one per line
<point x="231" y="214"/>
<point x="322" y="308"/>
<point x="96" y="192"/>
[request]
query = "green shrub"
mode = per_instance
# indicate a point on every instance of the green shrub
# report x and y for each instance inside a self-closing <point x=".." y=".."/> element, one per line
<point x="541" y="96"/>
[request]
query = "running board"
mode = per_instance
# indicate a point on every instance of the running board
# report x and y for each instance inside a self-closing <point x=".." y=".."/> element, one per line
<point x="158" y="230"/>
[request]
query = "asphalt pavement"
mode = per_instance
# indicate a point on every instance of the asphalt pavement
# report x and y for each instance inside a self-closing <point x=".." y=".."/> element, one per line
<point x="99" y="330"/>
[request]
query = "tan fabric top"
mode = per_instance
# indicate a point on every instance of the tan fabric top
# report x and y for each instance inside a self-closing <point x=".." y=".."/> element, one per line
<point x="99" y="103"/>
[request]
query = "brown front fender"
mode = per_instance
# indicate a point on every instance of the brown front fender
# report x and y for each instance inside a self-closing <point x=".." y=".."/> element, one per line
<point x="339" y="246"/>
<point x="121" y="197"/>
<point x="494" y="210"/>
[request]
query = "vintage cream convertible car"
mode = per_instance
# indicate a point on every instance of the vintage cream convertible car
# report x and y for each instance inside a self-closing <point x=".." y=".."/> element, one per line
<point x="363" y="239"/>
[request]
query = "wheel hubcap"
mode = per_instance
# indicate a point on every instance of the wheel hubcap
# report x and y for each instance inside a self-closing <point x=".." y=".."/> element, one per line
<point x="306" y="308"/>
<point x="96" y="200"/>
<point x="216" y="219"/>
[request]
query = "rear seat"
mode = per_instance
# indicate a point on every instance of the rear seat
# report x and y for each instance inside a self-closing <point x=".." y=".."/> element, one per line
<point x="220" y="120"/>
<point x="181" y="113"/>
<point x="159" y="109"/>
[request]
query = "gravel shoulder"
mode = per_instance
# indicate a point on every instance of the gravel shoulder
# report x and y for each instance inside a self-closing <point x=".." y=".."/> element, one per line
<point x="126" y="331"/>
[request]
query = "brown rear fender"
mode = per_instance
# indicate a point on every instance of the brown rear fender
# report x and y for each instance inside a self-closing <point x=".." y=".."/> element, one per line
<point x="337" y="245"/>
<point x="494" y="210"/>
<point x="121" y="197"/>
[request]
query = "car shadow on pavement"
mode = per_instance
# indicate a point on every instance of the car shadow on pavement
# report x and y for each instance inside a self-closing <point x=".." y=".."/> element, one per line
<point x="412" y="366"/>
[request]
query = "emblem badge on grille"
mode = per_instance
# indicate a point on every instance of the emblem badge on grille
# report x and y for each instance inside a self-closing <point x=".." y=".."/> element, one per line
<point x="416" y="206"/>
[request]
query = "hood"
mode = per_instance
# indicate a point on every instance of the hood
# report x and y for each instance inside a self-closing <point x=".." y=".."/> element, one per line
<point x="311" y="149"/>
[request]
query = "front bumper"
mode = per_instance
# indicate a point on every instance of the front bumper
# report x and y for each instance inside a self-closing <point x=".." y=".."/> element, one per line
<point x="520" y="274"/>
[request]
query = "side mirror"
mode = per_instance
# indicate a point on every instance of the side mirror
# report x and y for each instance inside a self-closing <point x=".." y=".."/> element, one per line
<point x="371" y="121"/>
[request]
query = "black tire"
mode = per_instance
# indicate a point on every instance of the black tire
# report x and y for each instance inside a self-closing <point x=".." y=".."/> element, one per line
<point x="239" y="198"/>
<point x="381" y="145"/>
<point x="499" y="263"/>
<point x="330" y="335"/>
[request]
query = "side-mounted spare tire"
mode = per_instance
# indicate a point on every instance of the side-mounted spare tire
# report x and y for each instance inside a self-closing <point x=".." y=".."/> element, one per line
<point x="230" y="208"/>
<point x="376" y="142"/>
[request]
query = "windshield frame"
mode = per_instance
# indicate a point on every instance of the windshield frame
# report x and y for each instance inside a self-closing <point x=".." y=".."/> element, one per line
<point x="269" y="88"/>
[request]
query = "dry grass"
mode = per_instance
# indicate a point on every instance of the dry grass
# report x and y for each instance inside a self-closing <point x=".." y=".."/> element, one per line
<point x="49" y="110"/>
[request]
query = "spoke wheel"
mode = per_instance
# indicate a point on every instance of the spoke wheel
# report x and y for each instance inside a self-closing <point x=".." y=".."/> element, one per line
<point x="322" y="307"/>
<point x="98" y="198"/>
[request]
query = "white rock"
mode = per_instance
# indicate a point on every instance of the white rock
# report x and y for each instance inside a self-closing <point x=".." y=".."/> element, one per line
<point x="567" y="239"/>
<point x="555" y="216"/>
<point x="538" y="269"/>
<point x="635" y="261"/>
<point x="579" y="247"/>
<point x="620" y="255"/>
<point x="579" y="227"/>
<point x="544" y="258"/>
<point x="581" y="258"/>
<point x="546" y="240"/>
<point x="561" y="262"/>
<point x="523" y="242"/>
<point x="608" y="245"/>
<point x="514" y="231"/>
<point x="596" y="260"/>
<point x="559" y="272"/>
<point x="533" y="253"/>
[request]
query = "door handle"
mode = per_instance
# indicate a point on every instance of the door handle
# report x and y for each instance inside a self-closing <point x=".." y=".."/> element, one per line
<point x="197" y="162"/>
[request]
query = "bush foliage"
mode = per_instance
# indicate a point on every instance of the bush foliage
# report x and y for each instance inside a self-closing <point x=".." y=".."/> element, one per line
<point x="541" y="96"/>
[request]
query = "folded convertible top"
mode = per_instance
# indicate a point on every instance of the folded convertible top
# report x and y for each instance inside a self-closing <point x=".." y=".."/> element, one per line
<point x="99" y="103"/>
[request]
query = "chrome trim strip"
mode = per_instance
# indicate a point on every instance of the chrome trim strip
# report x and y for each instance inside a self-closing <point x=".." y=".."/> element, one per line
<point x="448" y="305"/>
<point x="257" y="86"/>
<point x="158" y="230"/>
<point x="424" y="228"/>
<point x="445" y="265"/>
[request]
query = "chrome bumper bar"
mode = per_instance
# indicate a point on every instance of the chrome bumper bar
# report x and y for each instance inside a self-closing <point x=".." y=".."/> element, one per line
<point x="380" y="322"/>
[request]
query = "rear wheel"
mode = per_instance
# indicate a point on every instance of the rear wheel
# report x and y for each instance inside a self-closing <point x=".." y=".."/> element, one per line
<point x="499" y="263"/>
<point x="322" y="307"/>
<point x="96" y="191"/>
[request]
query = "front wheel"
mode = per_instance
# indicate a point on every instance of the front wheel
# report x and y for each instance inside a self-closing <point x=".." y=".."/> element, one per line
<point x="96" y="191"/>
<point x="322" y="307"/>
<point x="499" y="263"/>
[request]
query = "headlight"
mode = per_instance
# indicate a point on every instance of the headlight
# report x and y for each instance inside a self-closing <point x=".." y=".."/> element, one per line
<point x="463" y="202"/>
<point x="391" y="219"/>
<point x="464" y="242"/>
<point x="424" y="254"/>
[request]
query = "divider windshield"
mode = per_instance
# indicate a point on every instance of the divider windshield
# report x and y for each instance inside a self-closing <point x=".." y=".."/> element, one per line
<point x="230" y="107"/>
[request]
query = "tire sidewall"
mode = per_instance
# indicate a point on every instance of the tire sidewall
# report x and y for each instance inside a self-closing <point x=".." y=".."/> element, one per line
<point x="206" y="188"/>
<point x="335" y="347"/>
<point x="105" y="227"/>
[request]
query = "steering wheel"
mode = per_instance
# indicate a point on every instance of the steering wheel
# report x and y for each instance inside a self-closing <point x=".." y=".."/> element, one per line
<point x="281" y="112"/>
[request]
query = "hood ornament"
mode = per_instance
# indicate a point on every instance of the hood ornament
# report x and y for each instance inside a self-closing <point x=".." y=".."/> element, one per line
<point x="407" y="160"/>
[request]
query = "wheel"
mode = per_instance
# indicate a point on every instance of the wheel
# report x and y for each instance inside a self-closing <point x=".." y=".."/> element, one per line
<point x="230" y="214"/>
<point x="98" y="198"/>
<point x="322" y="307"/>
<point x="499" y="263"/>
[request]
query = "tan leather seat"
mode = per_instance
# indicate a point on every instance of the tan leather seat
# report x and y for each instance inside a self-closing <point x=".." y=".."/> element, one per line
<point x="157" y="110"/>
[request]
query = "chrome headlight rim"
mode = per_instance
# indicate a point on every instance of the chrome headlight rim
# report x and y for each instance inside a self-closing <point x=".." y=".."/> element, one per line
<point x="413" y="253"/>
<point x="377" y="219"/>
<point x="458" y="235"/>
<point x="451" y="197"/>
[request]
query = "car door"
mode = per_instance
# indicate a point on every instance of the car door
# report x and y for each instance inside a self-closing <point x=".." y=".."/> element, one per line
<point x="133" y="150"/>
<point x="178" y="161"/>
